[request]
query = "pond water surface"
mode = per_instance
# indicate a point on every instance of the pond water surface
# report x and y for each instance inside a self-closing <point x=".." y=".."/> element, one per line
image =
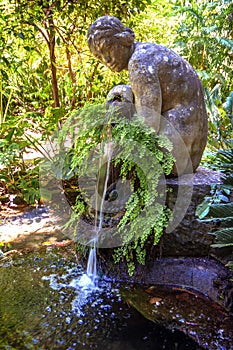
<point x="45" y="303"/>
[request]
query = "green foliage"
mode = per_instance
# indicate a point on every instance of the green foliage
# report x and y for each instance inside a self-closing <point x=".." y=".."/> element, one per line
<point x="143" y="158"/>
<point x="28" y="184"/>
<point x="224" y="238"/>
<point x="220" y="160"/>
<point x="219" y="206"/>
<point x="155" y="23"/>
<point x="31" y="31"/>
<point x="204" y="38"/>
<point x="44" y="49"/>
<point x="46" y="70"/>
<point x="146" y="216"/>
<point x="16" y="175"/>
<point x="220" y="118"/>
<point x="4" y="111"/>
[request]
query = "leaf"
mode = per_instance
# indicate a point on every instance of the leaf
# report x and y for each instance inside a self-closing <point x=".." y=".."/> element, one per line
<point x="230" y="265"/>
<point x="47" y="243"/>
<point x="224" y="235"/>
<point x="228" y="105"/>
<point x="221" y="245"/>
<point x="224" y="238"/>
<point x="225" y="42"/>
<point x="10" y="135"/>
<point x="203" y="209"/>
<point x="155" y="300"/>
<point x="221" y="210"/>
<point x="21" y="35"/>
<point x="223" y="198"/>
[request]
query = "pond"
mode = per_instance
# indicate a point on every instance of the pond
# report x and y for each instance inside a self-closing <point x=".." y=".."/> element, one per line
<point x="44" y="304"/>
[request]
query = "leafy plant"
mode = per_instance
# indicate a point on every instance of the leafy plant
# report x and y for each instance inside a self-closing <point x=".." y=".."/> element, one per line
<point x="218" y="208"/>
<point x="16" y="175"/>
<point x="220" y="121"/>
<point x="204" y="38"/>
<point x="140" y="157"/>
<point x="155" y="23"/>
<point x="4" y="111"/>
<point x="28" y="184"/>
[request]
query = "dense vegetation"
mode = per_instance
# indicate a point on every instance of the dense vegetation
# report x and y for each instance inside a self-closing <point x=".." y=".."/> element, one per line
<point x="47" y="72"/>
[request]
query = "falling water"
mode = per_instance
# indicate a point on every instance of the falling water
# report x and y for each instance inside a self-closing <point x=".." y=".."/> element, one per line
<point x="91" y="264"/>
<point x="101" y="188"/>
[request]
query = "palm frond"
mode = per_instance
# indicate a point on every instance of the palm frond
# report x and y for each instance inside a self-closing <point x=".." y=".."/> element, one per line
<point x="225" y="222"/>
<point x="221" y="210"/>
<point x="224" y="238"/>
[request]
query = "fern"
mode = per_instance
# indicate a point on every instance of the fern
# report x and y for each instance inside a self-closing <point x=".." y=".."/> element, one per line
<point x="143" y="158"/>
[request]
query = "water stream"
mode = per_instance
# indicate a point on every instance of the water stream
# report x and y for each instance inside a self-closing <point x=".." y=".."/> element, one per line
<point x="100" y="194"/>
<point x="92" y="262"/>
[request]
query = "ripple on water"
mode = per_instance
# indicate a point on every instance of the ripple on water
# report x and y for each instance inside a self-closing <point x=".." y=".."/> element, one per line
<point x="57" y="306"/>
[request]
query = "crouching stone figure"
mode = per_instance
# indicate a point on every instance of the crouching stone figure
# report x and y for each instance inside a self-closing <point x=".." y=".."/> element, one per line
<point x="166" y="90"/>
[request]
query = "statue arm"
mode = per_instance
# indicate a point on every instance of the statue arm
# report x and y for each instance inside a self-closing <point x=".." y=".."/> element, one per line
<point x="147" y="93"/>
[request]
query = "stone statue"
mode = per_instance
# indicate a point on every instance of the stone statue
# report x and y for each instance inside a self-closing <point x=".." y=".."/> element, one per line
<point x="165" y="88"/>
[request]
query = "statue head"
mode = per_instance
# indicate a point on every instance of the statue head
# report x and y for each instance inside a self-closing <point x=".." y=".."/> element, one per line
<point x="111" y="42"/>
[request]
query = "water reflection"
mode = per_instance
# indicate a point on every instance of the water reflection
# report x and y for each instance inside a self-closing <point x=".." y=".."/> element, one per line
<point x="47" y="302"/>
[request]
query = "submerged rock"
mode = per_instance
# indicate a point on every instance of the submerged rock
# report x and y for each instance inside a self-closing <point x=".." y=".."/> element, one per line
<point x="183" y="310"/>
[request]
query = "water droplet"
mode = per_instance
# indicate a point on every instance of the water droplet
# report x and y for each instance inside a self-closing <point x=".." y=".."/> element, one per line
<point x="68" y="320"/>
<point x="182" y="320"/>
<point x="34" y="340"/>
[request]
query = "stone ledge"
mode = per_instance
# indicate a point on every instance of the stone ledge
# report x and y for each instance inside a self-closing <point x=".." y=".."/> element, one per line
<point x="190" y="237"/>
<point x="202" y="176"/>
<point x="203" y="275"/>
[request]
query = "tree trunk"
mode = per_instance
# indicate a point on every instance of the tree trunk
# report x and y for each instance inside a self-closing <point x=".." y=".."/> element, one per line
<point x="72" y="75"/>
<point x="54" y="74"/>
<point x="51" y="45"/>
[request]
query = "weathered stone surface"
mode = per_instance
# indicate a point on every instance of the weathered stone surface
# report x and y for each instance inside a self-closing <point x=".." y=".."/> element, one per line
<point x="183" y="256"/>
<point x="184" y="310"/>
<point x="190" y="237"/>
<point x="166" y="89"/>
<point x="206" y="276"/>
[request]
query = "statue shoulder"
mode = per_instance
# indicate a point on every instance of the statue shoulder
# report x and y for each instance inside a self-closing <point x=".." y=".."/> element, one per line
<point x="148" y="54"/>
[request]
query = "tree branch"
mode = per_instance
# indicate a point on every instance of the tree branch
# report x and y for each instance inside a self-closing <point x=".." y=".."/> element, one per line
<point x="39" y="29"/>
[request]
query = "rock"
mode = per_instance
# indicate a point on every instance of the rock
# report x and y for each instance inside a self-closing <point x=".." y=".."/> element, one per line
<point x="182" y="257"/>
<point x="187" y="236"/>
<point x="182" y="310"/>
